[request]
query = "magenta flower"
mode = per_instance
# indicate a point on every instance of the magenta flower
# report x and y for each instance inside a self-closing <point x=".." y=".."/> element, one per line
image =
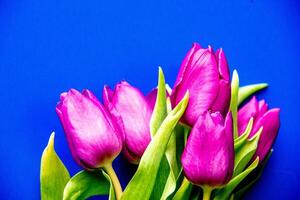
<point x="268" y="119"/>
<point x="94" y="139"/>
<point x="206" y="75"/>
<point x="208" y="158"/>
<point x="131" y="106"/>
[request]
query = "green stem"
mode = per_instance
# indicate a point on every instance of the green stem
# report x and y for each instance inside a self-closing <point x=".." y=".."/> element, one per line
<point x="206" y="192"/>
<point x="115" y="181"/>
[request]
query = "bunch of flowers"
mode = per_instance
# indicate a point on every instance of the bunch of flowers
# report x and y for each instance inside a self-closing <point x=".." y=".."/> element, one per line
<point x="198" y="140"/>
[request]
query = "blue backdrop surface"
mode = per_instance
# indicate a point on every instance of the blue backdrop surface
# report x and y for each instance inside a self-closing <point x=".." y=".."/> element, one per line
<point x="47" y="47"/>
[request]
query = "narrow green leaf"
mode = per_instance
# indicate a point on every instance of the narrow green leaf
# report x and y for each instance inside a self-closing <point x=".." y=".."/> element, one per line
<point x="158" y="115"/>
<point x="54" y="175"/>
<point x="165" y="183"/>
<point x="184" y="192"/>
<point x="244" y="154"/>
<point x="248" y="90"/>
<point x="161" y="179"/>
<point x="141" y="185"/>
<point x="234" y="101"/>
<point x="226" y="191"/>
<point x="173" y="153"/>
<point x="160" y="108"/>
<point x="86" y="184"/>
<point x="238" y="142"/>
<point x="252" y="178"/>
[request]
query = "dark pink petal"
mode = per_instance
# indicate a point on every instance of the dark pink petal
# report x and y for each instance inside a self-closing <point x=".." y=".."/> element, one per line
<point x="270" y="123"/>
<point x="208" y="157"/>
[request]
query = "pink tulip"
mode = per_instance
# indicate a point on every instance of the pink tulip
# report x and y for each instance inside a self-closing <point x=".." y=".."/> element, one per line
<point x="268" y="119"/>
<point x="208" y="158"/>
<point x="128" y="103"/>
<point x="206" y="75"/>
<point x="94" y="139"/>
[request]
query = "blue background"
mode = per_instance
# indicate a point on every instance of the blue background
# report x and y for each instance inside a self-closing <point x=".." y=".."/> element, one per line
<point x="47" y="47"/>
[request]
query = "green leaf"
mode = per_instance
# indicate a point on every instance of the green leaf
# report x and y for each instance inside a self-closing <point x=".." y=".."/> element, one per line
<point x="158" y="115"/>
<point x="54" y="175"/>
<point x="173" y="153"/>
<point x="226" y="191"/>
<point x="252" y="178"/>
<point x="86" y="184"/>
<point x="184" y="192"/>
<point x="248" y="90"/>
<point x="160" y="108"/>
<point x="170" y="167"/>
<point x="240" y="141"/>
<point x="234" y="101"/>
<point x="142" y="183"/>
<point x="244" y="154"/>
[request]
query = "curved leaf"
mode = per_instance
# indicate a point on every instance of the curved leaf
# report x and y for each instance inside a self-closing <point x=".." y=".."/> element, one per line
<point x="169" y="169"/>
<point x="86" y="184"/>
<point x="244" y="154"/>
<point x="226" y="191"/>
<point x="160" y="108"/>
<point x="240" y="141"/>
<point x="248" y="90"/>
<point x="142" y="183"/>
<point x="252" y="178"/>
<point x="54" y="175"/>
<point x="184" y="192"/>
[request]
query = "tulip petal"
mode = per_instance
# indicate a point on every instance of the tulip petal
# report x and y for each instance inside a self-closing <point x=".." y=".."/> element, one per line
<point x="222" y="101"/>
<point x="222" y="64"/>
<point x="209" y="153"/>
<point x="202" y="80"/>
<point x="107" y="95"/>
<point x="186" y="62"/>
<point x="92" y="138"/>
<point x="270" y="123"/>
<point x="135" y="112"/>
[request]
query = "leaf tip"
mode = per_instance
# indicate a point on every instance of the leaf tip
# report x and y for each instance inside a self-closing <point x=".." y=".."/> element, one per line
<point x="51" y="141"/>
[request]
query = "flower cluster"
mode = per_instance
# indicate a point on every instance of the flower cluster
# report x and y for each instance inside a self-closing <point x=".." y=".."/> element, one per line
<point x="196" y="140"/>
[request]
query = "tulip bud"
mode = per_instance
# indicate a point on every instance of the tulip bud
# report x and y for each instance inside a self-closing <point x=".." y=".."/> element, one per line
<point x="208" y="158"/>
<point x="268" y="119"/>
<point x="205" y="74"/>
<point x="94" y="139"/>
<point x="135" y="113"/>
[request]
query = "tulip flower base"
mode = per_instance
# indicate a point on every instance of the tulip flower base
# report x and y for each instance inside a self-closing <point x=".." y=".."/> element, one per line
<point x="194" y="141"/>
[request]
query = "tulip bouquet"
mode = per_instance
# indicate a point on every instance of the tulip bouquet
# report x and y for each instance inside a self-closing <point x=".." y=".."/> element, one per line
<point x="198" y="140"/>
